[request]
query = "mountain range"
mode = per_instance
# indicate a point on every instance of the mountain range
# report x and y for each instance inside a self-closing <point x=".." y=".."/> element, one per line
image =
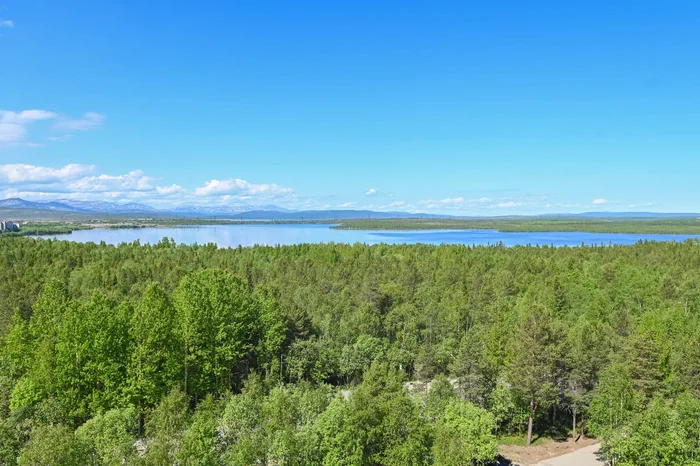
<point x="268" y="212"/>
<point x="103" y="207"/>
<point x="245" y="212"/>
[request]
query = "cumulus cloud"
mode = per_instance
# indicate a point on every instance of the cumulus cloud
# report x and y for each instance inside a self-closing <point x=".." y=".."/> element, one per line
<point x="169" y="190"/>
<point x="30" y="174"/>
<point x="79" y="182"/>
<point x="600" y="201"/>
<point x="371" y="192"/>
<point x="7" y="23"/>
<point x="346" y="204"/>
<point x="236" y="186"/>
<point x="135" y="180"/>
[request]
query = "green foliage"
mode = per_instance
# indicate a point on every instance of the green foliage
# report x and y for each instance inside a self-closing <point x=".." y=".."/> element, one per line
<point x="299" y="355"/>
<point x="689" y="225"/>
<point x="655" y="437"/>
<point x="615" y="401"/>
<point x="165" y="426"/>
<point x="199" y="444"/>
<point x="464" y="435"/>
<point x="55" y="446"/>
<point x="156" y="361"/>
<point x="380" y="424"/>
<point x="216" y="318"/>
<point x="538" y="351"/>
<point x="110" y="436"/>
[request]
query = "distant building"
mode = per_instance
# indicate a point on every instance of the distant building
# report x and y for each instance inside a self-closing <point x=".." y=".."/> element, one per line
<point x="9" y="226"/>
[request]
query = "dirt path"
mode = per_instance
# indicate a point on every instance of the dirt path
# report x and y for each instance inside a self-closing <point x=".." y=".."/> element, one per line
<point x="547" y="451"/>
<point x="586" y="456"/>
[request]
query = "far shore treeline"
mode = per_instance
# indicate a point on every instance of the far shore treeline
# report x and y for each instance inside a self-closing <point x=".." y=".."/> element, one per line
<point x="299" y="355"/>
<point x="51" y="223"/>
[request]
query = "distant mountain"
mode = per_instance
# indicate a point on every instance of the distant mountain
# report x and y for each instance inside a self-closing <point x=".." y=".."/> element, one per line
<point x="17" y="203"/>
<point x="271" y="212"/>
<point x="329" y="215"/>
<point x="244" y="212"/>
<point x="224" y="210"/>
<point x="613" y="215"/>
<point x="105" y="207"/>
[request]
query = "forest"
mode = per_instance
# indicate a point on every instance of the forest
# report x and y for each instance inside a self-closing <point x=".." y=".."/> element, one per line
<point x="167" y="354"/>
<point x="626" y="224"/>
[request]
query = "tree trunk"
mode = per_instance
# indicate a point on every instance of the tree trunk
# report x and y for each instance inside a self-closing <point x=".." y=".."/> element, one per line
<point x="141" y="429"/>
<point x="574" y="431"/>
<point x="529" y="421"/>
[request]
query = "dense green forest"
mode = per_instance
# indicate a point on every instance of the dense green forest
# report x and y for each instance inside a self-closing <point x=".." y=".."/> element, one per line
<point x="300" y="355"/>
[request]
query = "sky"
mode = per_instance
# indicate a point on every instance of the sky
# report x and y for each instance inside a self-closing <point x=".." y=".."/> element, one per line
<point x="464" y="108"/>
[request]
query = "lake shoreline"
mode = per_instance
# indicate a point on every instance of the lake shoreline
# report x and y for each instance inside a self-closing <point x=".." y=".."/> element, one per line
<point x="235" y="235"/>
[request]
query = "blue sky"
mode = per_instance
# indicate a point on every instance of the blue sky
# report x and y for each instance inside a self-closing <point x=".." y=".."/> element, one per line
<point x="479" y="108"/>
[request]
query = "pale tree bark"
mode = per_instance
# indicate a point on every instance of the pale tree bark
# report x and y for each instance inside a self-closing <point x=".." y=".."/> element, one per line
<point x="529" y="421"/>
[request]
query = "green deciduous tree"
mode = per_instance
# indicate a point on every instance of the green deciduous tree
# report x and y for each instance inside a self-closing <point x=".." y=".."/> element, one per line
<point x="464" y="436"/>
<point x="216" y="317"/>
<point x="111" y="436"/>
<point x="55" y="446"/>
<point x="155" y="365"/>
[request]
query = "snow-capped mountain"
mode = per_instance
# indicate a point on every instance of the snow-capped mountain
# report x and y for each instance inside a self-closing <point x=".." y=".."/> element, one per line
<point x="225" y="210"/>
<point x="103" y="207"/>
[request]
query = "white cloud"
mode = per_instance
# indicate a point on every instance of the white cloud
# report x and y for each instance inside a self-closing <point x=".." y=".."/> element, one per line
<point x="371" y="192"/>
<point x="169" y="190"/>
<point x="135" y="180"/>
<point x="7" y="23"/>
<point x="240" y="187"/>
<point x="65" y="137"/>
<point x="76" y="181"/>
<point x="31" y="174"/>
<point x="12" y="133"/>
<point x="508" y="205"/>
<point x="14" y="126"/>
<point x="454" y="202"/>
<point x="600" y="201"/>
<point x="346" y="204"/>
<point x="89" y="120"/>
<point x="25" y="116"/>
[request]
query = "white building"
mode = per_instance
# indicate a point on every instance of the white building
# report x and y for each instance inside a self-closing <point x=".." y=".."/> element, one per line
<point x="9" y="225"/>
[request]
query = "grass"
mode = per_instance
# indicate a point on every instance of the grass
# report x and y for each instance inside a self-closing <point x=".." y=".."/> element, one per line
<point x="521" y="440"/>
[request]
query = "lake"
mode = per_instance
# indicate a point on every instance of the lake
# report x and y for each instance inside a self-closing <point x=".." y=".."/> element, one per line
<point x="249" y="235"/>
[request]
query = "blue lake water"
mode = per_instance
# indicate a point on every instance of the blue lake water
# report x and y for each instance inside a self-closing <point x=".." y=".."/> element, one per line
<point x="249" y="235"/>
